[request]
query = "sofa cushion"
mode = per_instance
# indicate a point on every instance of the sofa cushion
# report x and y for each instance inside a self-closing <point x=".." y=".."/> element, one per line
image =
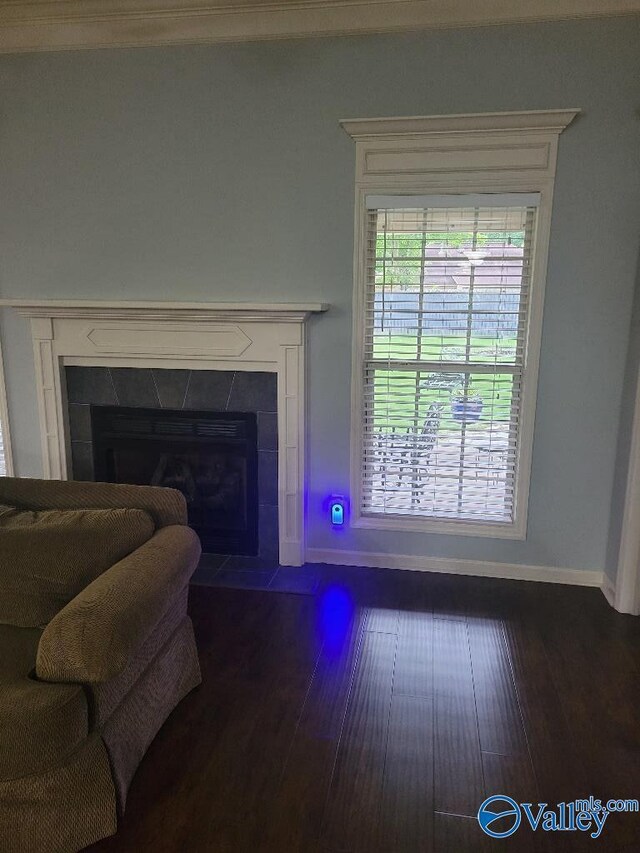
<point x="40" y="723"/>
<point x="47" y="557"/>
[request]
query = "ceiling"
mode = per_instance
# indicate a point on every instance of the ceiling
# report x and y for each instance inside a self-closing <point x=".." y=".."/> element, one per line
<point x="29" y="25"/>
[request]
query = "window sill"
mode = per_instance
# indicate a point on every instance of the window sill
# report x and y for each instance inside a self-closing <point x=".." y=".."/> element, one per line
<point x="489" y="529"/>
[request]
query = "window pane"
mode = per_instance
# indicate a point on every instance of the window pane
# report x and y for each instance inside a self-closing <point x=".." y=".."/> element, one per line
<point x="497" y="345"/>
<point x="445" y="323"/>
<point x="433" y="448"/>
<point x="447" y="294"/>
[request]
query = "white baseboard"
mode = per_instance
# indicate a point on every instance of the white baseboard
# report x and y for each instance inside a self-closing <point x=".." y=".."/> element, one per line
<point x="608" y="589"/>
<point x="445" y="565"/>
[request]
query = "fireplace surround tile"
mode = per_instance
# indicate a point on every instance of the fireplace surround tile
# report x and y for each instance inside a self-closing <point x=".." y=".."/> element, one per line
<point x="94" y="387"/>
<point x="209" y="389"/>
<point x="171" y="386"/>
<point x="268" y="477"/>
<point x="82" y="460"/>
<point x="80" y="421"/>
<point x="268" y="531"/>
<point x="253" y="392"/>
<point x="267" y="431"/>
<point x="182" y="389"/>
<point x="134" y="386"/>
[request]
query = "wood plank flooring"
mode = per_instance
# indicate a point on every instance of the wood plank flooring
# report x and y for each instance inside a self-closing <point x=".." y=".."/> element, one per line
<point x="375" y="716"/>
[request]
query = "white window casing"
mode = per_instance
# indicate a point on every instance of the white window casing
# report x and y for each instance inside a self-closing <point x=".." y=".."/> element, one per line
<point x="452" y="224"/>
<point x="6" y="460"/>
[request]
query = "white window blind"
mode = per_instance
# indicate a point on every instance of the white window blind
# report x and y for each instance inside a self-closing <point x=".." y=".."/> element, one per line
<point x="447" y="285"/>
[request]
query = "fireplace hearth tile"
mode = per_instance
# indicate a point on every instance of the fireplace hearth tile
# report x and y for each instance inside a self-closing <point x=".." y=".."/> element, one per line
<point x="90" y="385"/>
<point x="208" y="567"/>
<point x="267" y="431"/>
<point x="246" y="580"/>
<point x="240" y="563"/>
<point x="212" y="562"/>
<point x="254" y="392"/>
<point x="135" y="387"/>
<point x="298" y="579"/>
<point x="171" y="385"/>
<point x="209" y="389"/>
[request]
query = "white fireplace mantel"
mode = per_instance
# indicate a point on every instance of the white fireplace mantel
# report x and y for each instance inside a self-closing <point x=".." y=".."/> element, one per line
<point x="286" y="312"/>
<point x="191" y="335"/>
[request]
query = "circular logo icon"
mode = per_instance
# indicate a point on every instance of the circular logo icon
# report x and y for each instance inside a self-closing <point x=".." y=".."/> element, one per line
<point x="501" y="812"/>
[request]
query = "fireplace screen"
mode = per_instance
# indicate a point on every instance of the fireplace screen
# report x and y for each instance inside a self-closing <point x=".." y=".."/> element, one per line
<point x="210" y="457"/>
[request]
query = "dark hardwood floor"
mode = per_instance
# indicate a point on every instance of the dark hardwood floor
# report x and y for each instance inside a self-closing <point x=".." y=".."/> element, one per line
<point x="375" y="717"/>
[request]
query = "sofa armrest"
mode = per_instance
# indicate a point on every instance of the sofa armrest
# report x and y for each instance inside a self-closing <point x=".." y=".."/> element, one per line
<point x="96" y="634"/>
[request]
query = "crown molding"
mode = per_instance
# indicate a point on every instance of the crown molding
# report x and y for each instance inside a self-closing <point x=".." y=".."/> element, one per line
<point x="47" y="25"/>
<point x="283" y="312"/>
<point x="549" y="121"/>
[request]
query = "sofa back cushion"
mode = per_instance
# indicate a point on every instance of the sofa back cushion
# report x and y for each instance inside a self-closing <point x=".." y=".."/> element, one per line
<point x="47" y="557"/>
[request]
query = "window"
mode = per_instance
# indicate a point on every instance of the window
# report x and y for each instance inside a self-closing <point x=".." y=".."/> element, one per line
<point x="452" y="227"/>
<point x="446" y="310"/>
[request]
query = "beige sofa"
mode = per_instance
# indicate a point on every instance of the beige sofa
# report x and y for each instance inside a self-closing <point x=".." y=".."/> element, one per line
<point x="96" y="649"/>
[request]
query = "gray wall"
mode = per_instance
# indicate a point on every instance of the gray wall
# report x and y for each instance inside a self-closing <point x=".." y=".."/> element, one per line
<point x="220" y="172"/>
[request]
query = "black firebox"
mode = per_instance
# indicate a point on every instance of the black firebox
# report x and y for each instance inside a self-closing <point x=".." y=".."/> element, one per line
<point x="211" y="457"/>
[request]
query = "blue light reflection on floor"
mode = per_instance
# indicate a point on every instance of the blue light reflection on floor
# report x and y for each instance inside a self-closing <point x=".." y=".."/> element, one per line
<point x="335" y="616"/>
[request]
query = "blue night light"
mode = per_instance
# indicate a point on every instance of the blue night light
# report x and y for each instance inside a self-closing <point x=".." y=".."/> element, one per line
<point x="337" y="510"/>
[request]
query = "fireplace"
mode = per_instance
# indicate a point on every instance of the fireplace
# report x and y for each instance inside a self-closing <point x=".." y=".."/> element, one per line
<point x="211" y="457"/>
<point x="210" y="433"/>
<point x="180" y="355"/>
